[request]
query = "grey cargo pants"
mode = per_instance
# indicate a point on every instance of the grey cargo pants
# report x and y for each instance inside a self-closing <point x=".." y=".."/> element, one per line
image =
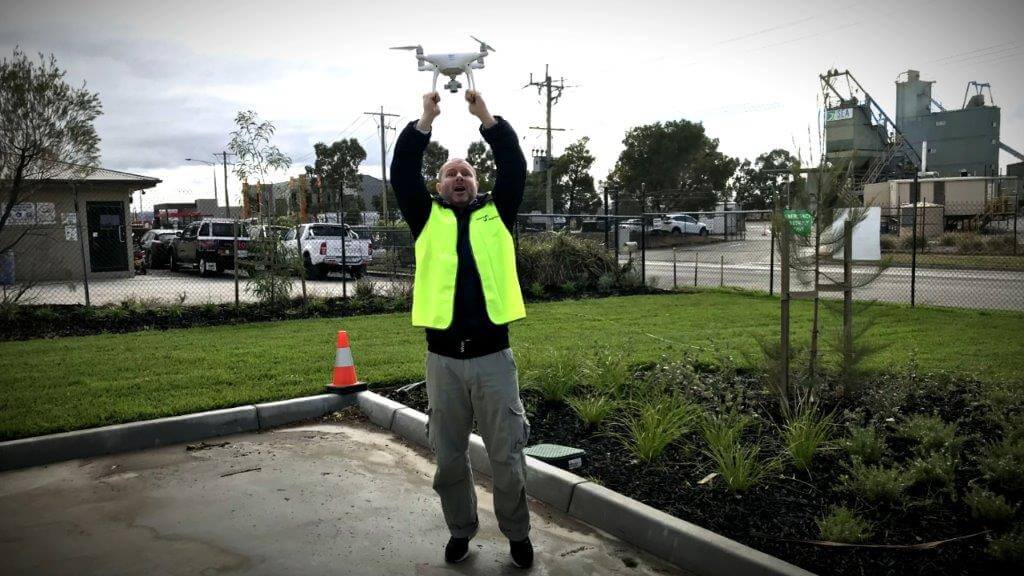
<point x="487" y="388"/>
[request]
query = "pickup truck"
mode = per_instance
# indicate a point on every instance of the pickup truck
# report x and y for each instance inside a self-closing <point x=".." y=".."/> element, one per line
<point x="208" y="246"/>
<point x="322" y="246"/>
<point x="679" y="224"/>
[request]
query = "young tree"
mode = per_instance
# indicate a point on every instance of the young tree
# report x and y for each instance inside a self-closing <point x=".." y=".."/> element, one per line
<point x="681" y="167"/>
<point x="46" y="132"/>
<point x="481" y="158"/>
<point x="573" y="190"/>
<point x="256" y="156"/>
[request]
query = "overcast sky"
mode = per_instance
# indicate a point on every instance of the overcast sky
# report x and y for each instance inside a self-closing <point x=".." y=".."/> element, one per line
<point x="171" y="76"/>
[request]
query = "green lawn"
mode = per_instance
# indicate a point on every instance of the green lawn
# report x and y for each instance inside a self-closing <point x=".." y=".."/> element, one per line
<point x="80" y="382"/>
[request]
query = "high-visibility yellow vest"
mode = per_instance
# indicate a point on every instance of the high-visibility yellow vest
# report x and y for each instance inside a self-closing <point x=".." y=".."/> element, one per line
<point x="437" y="263"/>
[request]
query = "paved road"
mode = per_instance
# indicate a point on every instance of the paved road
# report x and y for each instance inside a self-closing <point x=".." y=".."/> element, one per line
<point x="745" y="264"/>
<point x="338" y="497"/>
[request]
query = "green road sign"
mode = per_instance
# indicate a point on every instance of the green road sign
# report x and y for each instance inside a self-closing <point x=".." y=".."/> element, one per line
<point x="799" y="220"/>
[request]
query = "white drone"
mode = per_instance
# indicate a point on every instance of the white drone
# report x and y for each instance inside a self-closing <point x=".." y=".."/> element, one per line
<point x="451" y="65"/>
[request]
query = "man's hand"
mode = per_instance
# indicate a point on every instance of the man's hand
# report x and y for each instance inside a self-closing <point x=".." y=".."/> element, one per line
<point x="431" y="110"/>
<point x="478" y="108"/>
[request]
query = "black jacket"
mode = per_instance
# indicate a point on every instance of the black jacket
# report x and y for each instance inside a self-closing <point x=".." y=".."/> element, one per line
<point x="472" y="333"/>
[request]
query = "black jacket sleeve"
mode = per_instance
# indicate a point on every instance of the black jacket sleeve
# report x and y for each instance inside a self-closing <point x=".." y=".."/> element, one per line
<point x="511" y="169"/>
<point x="407" y="177"/>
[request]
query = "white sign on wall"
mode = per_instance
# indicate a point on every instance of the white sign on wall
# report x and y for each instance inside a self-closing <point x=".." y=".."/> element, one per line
<point x="23" y="214"/>
<point x="867" y="233"/>
<point x="46" y="213"/>
<point x="69" y="218"/>
<point x="71" y="233"/>
<point x="840" y="114"/>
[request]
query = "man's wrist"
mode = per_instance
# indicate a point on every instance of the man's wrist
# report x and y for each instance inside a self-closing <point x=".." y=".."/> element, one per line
<point x="487" y="120"/>
<point x="425" y="124"/>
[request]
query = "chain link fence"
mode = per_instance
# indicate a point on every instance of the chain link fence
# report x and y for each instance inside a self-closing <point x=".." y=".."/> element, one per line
<point x="956" y="254"/>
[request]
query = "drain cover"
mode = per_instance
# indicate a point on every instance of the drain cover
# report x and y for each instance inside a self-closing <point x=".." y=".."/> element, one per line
<point x="565" y="457"/>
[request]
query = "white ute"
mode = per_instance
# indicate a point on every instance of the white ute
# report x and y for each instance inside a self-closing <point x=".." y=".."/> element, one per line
<point x="679" y="224"/>
<point x="322" y="246"/>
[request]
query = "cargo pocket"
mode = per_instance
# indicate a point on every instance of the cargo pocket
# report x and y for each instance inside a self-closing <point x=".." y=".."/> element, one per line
<point x="430" y="439"/>
<point x="520" y="432"/>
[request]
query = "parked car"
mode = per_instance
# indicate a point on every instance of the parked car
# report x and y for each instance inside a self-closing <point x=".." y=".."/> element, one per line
<point x="156" y="247"/>
<point x="679" y="224"/>
<point x="321" y="246"/>
<point x="208" y="246"/>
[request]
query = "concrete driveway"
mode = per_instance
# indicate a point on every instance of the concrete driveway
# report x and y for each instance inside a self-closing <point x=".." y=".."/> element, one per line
<point x="335" y="497"/>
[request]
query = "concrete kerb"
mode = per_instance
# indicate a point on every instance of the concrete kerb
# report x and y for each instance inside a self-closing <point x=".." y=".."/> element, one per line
<point x="39" y="450"/>
<point x="686" y="545"/>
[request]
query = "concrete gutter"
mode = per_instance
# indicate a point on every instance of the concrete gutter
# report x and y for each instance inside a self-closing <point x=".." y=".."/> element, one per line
<point x="686" y="545"/>
<point x="39" y="450"/>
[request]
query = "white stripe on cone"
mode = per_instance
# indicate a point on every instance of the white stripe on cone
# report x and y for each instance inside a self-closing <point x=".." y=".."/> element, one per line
<point x="343" y="357"/>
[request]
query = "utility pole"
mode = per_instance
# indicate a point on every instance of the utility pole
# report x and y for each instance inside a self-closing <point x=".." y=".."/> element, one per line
<point x="553" y="93"/>
<point x="227" y="201"/>
<point x="383" y="164"/>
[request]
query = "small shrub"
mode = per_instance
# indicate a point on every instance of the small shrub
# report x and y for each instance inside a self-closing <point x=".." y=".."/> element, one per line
<point x="843" y="525"/>
<point x="948" y="240"/>
<point x="1003" y="464"/>
<point x="969" y="243"/>
<point x="739" y="465"/>
<point x="45" y="314"/>
<point x="888" y="243"/>
<point x="929" y="433"/>
<point x="1009" y="548"/>
<point x="666" y="376"/>
<point x="864" y="443"/>
<point x="877" y="484"/>
<point x="653" y="424"/>
<point x="606" y="282"/>
<point x="907" y="242"/>
<point x="535" y="290"/>
<point x="554" y="376"/>
<point x="610" y="374"/>
<point x="210" y="309"/>
<point x="935" y="470"/>
<point x="592" y="410"/>
<point x="554" y="259"/>
<point x="804" y="435"/>
<point x="999" y="244"/>
<point x="365" y="289"/>
<point x="721" y="431"/>
<point x="992" y="509"/>
<point x="570" y="288"/>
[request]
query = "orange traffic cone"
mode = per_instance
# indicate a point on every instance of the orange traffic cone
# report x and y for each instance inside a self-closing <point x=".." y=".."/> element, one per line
<point x="344" y="379"/>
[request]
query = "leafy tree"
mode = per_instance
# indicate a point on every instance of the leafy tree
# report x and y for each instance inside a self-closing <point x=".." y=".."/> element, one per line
<point x="754" y="186"/>
<point x="573" y="187"/>
<point x="481" y="158"/>
<point x="337" y="166"/>
<point x="533" y="194"/>
<point x="433" y="158"/>
<point x="681" y="167"/>
<point x="46" y="132"/>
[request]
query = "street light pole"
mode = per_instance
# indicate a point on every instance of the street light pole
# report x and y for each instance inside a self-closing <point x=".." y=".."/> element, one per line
<point x="214" y="164"/>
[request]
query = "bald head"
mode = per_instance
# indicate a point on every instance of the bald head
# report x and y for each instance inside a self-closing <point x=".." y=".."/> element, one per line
<point x="456" y="182"/>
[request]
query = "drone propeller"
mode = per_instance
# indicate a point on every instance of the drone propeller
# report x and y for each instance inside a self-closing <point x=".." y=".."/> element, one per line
<point x="417" y="47"/>
<point x="483" y="45"/>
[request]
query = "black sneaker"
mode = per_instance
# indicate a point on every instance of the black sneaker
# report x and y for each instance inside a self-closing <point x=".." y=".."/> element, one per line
<point x="457" y="550"/>
<point x="522" y="553"/>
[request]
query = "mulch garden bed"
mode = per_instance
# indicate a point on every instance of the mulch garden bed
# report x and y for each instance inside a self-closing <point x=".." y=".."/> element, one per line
<point x="779" y="515"/>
